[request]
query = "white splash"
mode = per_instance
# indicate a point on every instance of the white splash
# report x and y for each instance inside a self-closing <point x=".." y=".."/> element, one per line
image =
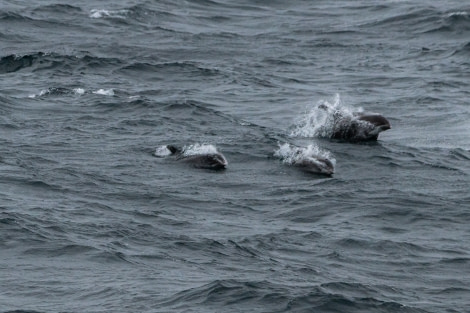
<point x="197" y="149"/>
<point x="40" y="94"/>
<point x="291" y="154"/>
<point x="162" y="151"/>
<point x="104" y="92"/>
<point x="318" y="121"/>
<point x="102" y="13"/>
<point x="79" y="91"/>
<point x="58" y="91"/>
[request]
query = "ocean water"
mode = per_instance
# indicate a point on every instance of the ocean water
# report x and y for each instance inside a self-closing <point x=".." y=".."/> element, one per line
<point x="92" y="221"/>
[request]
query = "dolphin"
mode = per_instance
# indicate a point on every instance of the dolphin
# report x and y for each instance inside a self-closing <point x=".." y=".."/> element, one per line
<point x="308" y="159"/>
<point x="360" y="127"/>
<point x="212" y="160"/>
<point x="315" y="165"/>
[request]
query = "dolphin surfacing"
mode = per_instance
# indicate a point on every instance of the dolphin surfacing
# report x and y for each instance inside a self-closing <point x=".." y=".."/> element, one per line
<point x="310" y="159"/>
<point x="208" y="158"/>
<point x="355" y="126"/>
<point x="360" y="127"/>
<point x="317" y="165"/>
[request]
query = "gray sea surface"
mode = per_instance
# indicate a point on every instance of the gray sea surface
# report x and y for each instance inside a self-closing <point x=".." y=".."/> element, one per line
<point x="92" y="221"/>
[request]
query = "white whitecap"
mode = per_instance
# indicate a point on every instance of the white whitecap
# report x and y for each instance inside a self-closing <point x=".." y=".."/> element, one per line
<point x="104" y="92"/>
<point x="79" y="91"/>
<point x="458" y="13"/>
<point x="102" y="13"/>
<point x="98" y="13"/>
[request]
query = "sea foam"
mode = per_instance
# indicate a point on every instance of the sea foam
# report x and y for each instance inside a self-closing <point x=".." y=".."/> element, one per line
<point x="104" y="92"/>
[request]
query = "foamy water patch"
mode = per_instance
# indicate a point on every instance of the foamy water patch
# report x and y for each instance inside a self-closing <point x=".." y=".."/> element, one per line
<point x="104" y="92"/>
<point x="291" y="155"/>
<point x="79" y="91"/>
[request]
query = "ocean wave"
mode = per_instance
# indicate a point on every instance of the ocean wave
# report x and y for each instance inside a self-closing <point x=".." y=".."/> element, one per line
<point x="58" y="250"/>
<point x="110" y="256"/>
<point x="58" y="91"/>
<point x="71" y="15"/>
<point x="459" y="15"/>
<point x="104" y="92"/>
<point x="235" y="295"/>
<point x="457" y="22"/>
<point x="12" y="16"/>
<point x="438" y="158"/>
<point x="458" y="19"/>
<point x="78" y="91"/>
<point x="226" y="293"/>
<point x="206" y="113"/>
<point x="50" y="60"/>
<point x="29" y="229"/>
<point x="102" y="13"/>
<point x="412" y="18"/>
<point x="424" y="20"/>
<point x="53" y="9"/>
<point x="44" y="16"/>
<point x="12" y="63"/>
<point x="140" y="15"/>
<point x="22" y="311"/>
<point x="171" y="67"/>
<point x="464" y="50"/>
<point x="405" y="249"/>
<point x="160" y="17"/>
<point x="460" y="154"/>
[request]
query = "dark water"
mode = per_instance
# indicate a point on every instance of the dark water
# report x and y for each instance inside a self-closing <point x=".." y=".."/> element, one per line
<point x="91" y="221"/>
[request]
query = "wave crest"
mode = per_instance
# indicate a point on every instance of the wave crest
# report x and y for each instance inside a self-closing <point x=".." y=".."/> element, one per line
<point x="12" y="63"/>
<point x="102" y="13"/>
<point x="50" y="60"/>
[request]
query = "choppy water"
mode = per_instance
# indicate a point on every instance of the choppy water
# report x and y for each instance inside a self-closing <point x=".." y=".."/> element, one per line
<point x="92" y="221"/>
